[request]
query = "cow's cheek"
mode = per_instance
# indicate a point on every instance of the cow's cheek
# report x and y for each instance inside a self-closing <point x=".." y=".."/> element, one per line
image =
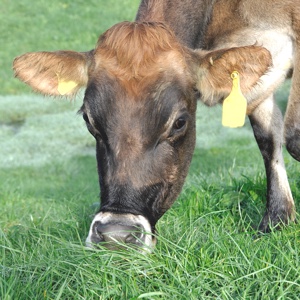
<point x="176" y="173"/>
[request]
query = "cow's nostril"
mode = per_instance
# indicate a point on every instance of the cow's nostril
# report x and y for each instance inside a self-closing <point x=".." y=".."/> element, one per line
<point x="97" y="233"/>
<point x="135" y="237"/>
<point x="131" y="239"/>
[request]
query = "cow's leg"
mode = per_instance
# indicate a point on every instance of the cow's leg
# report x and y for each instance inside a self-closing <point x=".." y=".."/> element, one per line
<point x="267" y="124"/>
<point x="292" y="114"/>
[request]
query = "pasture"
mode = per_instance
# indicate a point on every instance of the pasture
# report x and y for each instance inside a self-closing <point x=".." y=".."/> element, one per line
<point x="207" y="245"/>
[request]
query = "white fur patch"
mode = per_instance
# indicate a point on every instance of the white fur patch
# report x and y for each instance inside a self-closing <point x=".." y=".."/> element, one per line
<point x="138" y="220"/>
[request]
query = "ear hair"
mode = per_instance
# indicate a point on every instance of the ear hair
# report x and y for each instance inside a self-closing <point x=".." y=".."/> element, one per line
<point x="215" y="68"/>
<point x="44" y="71"/>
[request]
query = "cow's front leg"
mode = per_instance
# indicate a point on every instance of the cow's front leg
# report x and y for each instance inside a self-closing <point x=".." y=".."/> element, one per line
<point x="267" y="124"/>
<point x="292" y="114"/>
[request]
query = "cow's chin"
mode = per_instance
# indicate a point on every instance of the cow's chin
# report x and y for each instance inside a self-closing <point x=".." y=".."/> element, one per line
<point x="121" y="231"/>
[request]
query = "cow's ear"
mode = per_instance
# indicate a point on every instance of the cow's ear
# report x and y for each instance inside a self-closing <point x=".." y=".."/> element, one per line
<point x="214" y="75"/>
<point x="54" y="73"/>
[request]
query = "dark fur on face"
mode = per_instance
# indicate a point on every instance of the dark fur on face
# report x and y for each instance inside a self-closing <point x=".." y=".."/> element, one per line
<point x="142" y="157"/>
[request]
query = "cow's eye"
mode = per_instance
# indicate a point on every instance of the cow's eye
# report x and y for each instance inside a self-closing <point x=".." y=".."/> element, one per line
<point x="85" y="118"/>
<point x="179" y="123"/>
<point x="90" y="128"/>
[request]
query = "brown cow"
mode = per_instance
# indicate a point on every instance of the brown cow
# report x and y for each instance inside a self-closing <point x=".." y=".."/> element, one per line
<point x="142" y="83"/>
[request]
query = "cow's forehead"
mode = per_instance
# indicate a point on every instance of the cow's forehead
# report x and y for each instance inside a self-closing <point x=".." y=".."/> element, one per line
<point x="137" y="54"/>
<point x="106" y="98"/>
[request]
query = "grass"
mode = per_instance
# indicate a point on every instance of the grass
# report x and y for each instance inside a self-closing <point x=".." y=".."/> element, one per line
<point x="48" y="189"/>
<point x="53" y="25"/>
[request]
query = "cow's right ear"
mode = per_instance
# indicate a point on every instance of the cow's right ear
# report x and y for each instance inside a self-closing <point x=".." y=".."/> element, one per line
<point x="54" y="73"/>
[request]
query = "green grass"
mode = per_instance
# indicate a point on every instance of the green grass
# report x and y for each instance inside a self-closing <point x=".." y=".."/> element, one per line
<point x="52" y="25"/>
<point x="48" y="189"/>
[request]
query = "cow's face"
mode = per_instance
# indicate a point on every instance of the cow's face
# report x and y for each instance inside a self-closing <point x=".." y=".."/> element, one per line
<point x="140" y="104"/>
<point x="143" y="120"/>
<point x="144" y="147"/>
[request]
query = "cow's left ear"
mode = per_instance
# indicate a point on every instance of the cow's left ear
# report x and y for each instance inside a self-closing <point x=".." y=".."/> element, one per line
<point x="54" y="73"/>
<point x="214" y="73"/>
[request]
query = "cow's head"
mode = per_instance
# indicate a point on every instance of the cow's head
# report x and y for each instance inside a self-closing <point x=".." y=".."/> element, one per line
<point x="139" y="104"/>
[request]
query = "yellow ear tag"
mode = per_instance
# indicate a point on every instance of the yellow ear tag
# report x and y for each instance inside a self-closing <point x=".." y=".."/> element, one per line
<point x="235" y="105"/>
<point x="64" y="87"/>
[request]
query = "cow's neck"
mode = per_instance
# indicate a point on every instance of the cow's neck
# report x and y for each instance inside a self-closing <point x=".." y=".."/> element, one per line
<point x="188" y="19"/>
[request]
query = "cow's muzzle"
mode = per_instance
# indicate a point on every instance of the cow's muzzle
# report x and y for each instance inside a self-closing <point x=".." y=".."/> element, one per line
<point x="117" y="231"/>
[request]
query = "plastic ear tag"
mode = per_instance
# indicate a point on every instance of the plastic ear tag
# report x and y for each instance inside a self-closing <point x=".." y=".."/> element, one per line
<point x="235" y="105"/>
<point x="64" y="87"/>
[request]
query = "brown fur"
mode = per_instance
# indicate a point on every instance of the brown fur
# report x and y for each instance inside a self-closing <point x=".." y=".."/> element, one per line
<point x="216" y="69"/>
<point x="136" y="53"/>
<point x="154" y="11"/>
<point x="43" y="70"/>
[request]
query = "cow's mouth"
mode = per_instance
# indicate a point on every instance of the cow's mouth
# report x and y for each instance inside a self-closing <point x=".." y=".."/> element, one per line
<point x="117" y="231"/>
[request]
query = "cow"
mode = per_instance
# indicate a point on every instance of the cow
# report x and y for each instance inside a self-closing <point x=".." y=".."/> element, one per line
<point x="142" y="83"/>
